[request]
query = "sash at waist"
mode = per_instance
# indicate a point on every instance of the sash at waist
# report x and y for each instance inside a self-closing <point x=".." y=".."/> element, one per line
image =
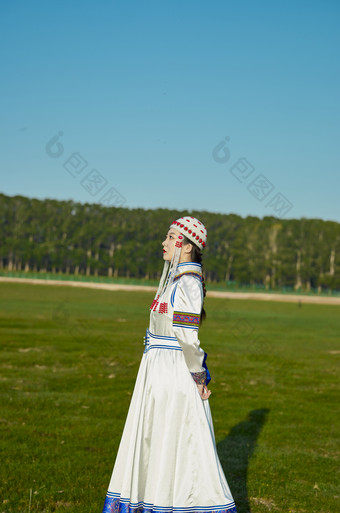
<point x="153" y="341"/>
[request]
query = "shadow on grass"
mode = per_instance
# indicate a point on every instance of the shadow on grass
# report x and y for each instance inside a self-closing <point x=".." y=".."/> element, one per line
<point x="235" y="452"/>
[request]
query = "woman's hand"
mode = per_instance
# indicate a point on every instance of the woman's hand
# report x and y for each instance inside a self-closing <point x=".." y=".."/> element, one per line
<point x="203" y="391"/>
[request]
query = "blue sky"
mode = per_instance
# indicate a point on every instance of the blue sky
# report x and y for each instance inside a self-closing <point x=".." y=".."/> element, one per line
<point x="144" y="92"/>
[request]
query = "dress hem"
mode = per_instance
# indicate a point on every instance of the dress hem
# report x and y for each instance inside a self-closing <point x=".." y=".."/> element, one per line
<point x="115" y="504"/>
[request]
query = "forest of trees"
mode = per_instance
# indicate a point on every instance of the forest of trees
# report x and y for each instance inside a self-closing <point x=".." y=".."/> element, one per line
<point x="90" y="239"/>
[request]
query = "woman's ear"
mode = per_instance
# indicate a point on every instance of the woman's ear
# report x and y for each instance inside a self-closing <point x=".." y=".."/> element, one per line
<point x="188" y="248"/>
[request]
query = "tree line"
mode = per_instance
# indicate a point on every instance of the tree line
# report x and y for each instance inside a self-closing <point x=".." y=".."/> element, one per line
<point x="91" y="239"/>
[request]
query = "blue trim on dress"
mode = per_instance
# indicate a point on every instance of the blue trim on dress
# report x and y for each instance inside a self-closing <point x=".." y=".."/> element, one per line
<point x="176" y="325"/>
<point x="189" y="263"/>
<point x="161" y="346"/>
<point x="115" y="504"/>
<point x="172" y="298"/>
<point x="163" y="337"/>
<point x="152" y="345"/>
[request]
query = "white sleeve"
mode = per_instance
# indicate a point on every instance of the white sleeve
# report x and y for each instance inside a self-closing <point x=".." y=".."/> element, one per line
<point x="187" y="303"/>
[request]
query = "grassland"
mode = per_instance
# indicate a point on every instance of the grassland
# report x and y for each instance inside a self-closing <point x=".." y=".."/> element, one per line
<point x="69" y="358"/>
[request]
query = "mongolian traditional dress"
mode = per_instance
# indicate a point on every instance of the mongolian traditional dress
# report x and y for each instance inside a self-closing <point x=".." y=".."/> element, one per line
<point x="167" y="460"/>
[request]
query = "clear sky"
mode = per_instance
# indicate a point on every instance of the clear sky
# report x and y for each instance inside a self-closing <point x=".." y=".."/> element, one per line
<point x="144" y="92"/>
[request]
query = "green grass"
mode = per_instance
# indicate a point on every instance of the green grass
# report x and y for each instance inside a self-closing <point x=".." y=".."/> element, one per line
<point x="68" y="364"/>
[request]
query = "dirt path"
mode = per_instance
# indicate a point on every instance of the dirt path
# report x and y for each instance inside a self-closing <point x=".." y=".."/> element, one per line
<point x="287" y="298"/>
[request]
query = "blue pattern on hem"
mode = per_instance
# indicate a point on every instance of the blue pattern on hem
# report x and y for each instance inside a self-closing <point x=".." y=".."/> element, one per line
<point x="114" y="504"/>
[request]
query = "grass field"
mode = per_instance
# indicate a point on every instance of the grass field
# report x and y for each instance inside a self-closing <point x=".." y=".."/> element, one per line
<point x="68" y="364"/>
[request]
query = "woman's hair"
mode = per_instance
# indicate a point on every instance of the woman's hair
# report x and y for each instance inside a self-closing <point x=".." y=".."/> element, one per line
<point x="196" y="256"/>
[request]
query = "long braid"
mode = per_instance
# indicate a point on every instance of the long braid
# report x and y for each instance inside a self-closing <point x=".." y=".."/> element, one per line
<point x="196" y="256"/>
<point x="199" y="261"/>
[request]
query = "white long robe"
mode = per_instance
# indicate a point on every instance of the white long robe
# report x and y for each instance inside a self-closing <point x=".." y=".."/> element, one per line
<point x="167" y="459"/>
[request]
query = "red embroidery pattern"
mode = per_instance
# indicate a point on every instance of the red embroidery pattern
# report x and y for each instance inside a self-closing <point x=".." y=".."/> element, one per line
<point x="154" y="304"/>
<point x="178" y="244"/>
<point x="163" y="308"/>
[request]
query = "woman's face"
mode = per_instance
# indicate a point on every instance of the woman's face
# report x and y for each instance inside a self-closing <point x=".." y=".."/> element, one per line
<point x="169" y="244"/>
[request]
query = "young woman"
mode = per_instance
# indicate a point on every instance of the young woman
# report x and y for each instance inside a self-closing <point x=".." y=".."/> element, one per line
<point x="167" y="459"/>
